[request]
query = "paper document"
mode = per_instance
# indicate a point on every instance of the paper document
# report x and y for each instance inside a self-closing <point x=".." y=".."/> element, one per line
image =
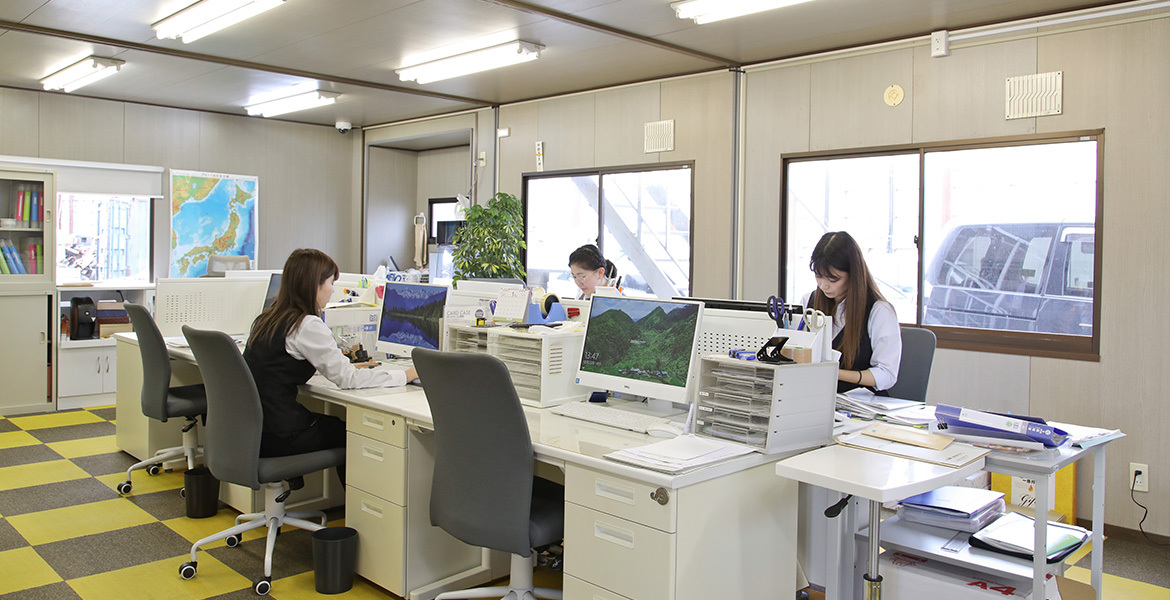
<point x="954" y="455"/>
<point x="679" y="454"/>
<point x="893" y="433"/>
<point x="1085" y="437"/>
<point x="1013" y="534"/>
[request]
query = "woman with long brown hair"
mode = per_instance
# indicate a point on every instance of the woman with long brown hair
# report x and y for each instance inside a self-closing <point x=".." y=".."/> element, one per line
<point x="865" y="327"/>
<point x="289" y="343"/>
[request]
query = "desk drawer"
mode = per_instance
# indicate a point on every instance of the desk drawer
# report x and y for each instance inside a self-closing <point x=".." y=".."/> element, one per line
<point x="619" y="496"/>
<point x="381" y="541"/>
<point x="377" y="425"/>
<point x="376" y="467"/>
<point x="632" y="560"/>
<point x="575" y="589"/>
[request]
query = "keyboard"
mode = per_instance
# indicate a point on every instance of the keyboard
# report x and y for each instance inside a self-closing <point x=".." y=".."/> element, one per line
<point x="608" y="415"/>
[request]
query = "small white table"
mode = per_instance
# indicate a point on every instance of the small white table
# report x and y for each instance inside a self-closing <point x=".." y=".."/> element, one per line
<point x="876" y="477"/>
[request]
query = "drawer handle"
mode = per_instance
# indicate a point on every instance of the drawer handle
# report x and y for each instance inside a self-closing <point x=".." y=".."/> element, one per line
<point x="372" y="453"/>
<point x="371" y="509"/>
<point x="613" y="491"/>
<point x="373" y="421"/>
<point x="613" y="535"/>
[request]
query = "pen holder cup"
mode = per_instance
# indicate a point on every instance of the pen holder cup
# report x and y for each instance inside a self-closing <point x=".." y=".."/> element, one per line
<point x="201" y="489"/>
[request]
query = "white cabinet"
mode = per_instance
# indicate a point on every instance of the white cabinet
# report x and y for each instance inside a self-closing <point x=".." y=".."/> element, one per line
<point x="25" y="355"/>
<point x="86" y="368"/>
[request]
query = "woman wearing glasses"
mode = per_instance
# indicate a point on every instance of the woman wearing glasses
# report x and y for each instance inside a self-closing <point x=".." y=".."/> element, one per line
<point x="865" y="327"/>
<point x="591" y="270"/>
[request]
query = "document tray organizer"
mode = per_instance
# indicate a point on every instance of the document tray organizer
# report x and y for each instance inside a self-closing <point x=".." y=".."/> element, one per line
<point x="771" y="408"/>
<point x="543" y="366"/>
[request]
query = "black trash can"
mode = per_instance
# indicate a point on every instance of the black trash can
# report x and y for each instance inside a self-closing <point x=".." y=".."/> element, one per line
<point x="202" y="491"/>
<point x="334" y="559"/>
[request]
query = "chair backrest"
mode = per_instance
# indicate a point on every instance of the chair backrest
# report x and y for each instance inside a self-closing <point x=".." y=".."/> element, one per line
<point x="231" y="440"/>
<point x="917" y="357"/>
<point x="218" y="264"/>
<point x="481" y="490"/>
<point x="156" y="363"/>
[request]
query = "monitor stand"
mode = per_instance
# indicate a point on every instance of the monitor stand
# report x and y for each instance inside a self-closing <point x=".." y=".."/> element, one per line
<point x="646" y="406"/>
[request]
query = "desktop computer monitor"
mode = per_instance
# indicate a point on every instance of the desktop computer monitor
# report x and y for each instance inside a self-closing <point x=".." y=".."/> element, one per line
<point x="641" y="346"/>
<point x="273" y="288"/>
<point x="411" y="317"/>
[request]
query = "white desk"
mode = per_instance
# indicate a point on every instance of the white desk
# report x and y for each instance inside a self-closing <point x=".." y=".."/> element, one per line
<point x="876" y="477"/>
<point x="726" y="531"/>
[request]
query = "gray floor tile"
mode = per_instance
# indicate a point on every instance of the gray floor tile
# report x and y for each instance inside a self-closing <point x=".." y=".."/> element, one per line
<point x="53" y="495"/>
<point x="1134" y="560"/>
<point x="108" y="414"/>
<point x="74" y="432"/>
<point x="55" y="591"/>
<point x="25" y="455"/>
<point x="9" y="538"/>
<point x="105" y="464"/>
<point x="113" y="550"/>
<point x="6" y="426"/>
<point x="163" y="505"/>
<point x="293" y="555"/>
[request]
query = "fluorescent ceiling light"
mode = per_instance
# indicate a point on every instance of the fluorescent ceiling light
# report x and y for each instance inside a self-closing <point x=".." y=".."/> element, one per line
<point x="708" y="11"/>
<point x="209" y="16"/>
<point x="292" y="103"/>
<point x="492" y="57"/>
<point x="82" y="73"/>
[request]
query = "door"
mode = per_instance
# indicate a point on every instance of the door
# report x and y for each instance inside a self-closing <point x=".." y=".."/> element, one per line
<point x="24" y="355"/>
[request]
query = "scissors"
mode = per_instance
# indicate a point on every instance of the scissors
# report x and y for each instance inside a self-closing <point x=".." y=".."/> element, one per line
<point x="777" y="309"/>
<point x="813" y="320"/>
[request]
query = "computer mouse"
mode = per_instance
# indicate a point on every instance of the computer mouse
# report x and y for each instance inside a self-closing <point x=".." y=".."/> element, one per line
<point x="663" y="430"/>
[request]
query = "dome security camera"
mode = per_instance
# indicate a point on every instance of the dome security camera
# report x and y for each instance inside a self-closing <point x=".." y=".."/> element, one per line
<point x="343" y="127"/>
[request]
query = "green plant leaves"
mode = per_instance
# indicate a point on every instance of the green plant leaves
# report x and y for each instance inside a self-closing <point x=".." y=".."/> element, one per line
<point x="491" y="241"/>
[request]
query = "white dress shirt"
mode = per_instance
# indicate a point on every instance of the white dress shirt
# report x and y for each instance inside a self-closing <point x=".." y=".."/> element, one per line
<point x="885" y="337"/>
<point x="313" y="341"/>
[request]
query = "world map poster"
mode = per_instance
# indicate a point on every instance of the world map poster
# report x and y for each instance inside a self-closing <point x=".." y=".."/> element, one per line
<point x="211" y="213"/>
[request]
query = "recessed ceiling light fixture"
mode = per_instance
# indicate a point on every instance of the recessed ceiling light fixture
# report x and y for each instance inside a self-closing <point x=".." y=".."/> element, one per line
<point x="293" y="103"/>
<point x="209" y="16"/>
<point x="82" y="73"/>
<point x="709" y="11"/>
<point x="492" y="57"/>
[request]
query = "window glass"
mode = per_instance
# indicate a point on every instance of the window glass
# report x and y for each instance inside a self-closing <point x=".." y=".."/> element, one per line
<point x="444" y="210"/>
<point x="561" y="217"/>
<point x="103" y="238"/>
<point x="873" y="198"/>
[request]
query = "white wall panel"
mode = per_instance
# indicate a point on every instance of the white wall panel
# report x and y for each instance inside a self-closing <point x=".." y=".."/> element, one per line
<point x="981" y="380"/>
<point x="847" y="106"/>
<point x="390" y="200"/>
<point x="81" y="128"/>
<point x="567" y="128"/>
<point x="442" y="173"/>
<point x="19" y="123"/>
<point x="620" y="124"/>
<point x="517" y="154"/>
<point x="162" y="136"/>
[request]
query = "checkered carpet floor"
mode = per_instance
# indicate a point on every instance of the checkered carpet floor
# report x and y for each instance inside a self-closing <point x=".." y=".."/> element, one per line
<point x="65" y="533"/>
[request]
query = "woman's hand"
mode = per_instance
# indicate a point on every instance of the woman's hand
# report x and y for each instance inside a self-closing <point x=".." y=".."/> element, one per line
<point x="411" y="375"/>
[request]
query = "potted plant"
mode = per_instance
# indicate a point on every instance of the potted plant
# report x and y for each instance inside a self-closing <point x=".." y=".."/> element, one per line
<point x="490" y="242"/>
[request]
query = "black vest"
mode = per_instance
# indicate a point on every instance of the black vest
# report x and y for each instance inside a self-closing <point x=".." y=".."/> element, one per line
<point x="277" y="375"/>
<point x="864" y="358"/>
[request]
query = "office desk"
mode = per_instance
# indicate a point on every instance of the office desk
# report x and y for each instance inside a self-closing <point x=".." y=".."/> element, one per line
<point x="725" y="531"/>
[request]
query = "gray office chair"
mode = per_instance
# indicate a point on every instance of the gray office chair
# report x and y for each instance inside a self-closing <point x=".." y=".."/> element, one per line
<point x="917" y="357"/>
<point x="235" y="420"/>
<point x="483" y="491"/>
<point x="218" y="264"/>
<point x="160" y="401"/>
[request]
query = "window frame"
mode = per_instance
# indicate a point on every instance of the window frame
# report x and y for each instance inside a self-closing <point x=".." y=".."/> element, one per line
<point x="433" y="225"/>
<point x="1040" y="344"/>
<point x="601" y="172"/>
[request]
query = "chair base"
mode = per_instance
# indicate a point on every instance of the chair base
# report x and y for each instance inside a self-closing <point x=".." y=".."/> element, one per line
<point x="519" y="586"/>
<point x="274" y="516"/>
<point x="190" y="448"/>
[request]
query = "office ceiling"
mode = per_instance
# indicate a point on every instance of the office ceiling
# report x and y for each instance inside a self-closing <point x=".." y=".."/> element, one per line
<point x="354" y="46"/>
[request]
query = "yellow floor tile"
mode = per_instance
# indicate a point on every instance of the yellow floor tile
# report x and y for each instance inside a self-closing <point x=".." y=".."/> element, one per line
<point x="16" y="439"/>
<point x="304" y="586"/>
<point x="196" y="529"/>
<point x="56" y="420"/>
<point x="86" y="446"/>
<point x="1119" y="588"/>
<point x="143" y="483"/>
<point x="160" y="581"/>
<point x="75" y="521"/>
<point x="101" y="407"/>
<point x="40" y="473"/>
<point x="23" y="569"/>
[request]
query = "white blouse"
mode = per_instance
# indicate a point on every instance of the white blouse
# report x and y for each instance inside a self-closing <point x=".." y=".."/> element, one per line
<point x="312" y="340"/>
<point x="885" y="336"/>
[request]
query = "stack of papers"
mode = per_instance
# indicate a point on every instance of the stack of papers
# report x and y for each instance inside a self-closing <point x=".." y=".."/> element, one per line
<point x="863" y="404"/>
<point x="1086" y="437"/>
<point x="953" y="507"/>
<point x="954" y="455"/>
<point x="1013" y="534"/>
<point x="679" y="454"/>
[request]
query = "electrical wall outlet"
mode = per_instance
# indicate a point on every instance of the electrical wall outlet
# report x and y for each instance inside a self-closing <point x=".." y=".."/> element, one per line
<point x="1140" y="481"/>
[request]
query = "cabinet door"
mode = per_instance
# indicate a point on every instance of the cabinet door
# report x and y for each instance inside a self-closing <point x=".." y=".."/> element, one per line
<point x="81" y="371"/>
<point x="109" y="371"/>
<point x="24" y="355"/>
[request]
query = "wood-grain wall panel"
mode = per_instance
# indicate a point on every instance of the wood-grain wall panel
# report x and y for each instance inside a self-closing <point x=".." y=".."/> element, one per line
<point x="19" y="123"/>
<point x="81" y="128"/>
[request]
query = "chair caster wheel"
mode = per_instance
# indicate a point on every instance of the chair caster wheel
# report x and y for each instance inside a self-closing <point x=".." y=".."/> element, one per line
<point x="153" y="470"/>
<point x="183" y="492"/>
<point x="262" y="586"/>
<point x="232" y="541"/>
<point x="187" y="570"/>
<point x="125" y="487"/>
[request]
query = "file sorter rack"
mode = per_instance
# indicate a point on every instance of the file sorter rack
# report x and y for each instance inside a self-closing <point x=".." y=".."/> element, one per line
<point x="771" y="408"/>
<point x="543" y="366"/>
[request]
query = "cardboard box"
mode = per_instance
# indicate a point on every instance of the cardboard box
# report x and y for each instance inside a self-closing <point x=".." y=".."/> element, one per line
<point x="909" y="577"/>
<point x="106" y="330"/>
